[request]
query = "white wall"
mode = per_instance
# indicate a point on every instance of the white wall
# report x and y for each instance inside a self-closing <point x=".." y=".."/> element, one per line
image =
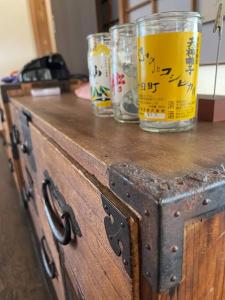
<point x="206" y="80"/>
<point x="17" y="45"/>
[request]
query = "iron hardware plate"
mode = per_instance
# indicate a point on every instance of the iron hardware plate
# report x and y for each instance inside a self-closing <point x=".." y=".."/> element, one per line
<point x="2" y="117"/>
<point x="165" y="207"/>
<point x="15" y="152"/>
<point x="29" y="190"/>
<point x="25" y="118"/>
<point x="15" y="135"/>
<point x="10" y="164"/>
<point x="64" y="207"/>
<point x="118" y="232"/>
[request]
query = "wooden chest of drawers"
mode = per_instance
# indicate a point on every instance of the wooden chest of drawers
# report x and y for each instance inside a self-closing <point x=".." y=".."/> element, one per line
<point x="120" y="213"/>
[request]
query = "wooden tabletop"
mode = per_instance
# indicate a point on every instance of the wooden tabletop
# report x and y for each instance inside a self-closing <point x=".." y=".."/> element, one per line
<point x="96" y="143"/>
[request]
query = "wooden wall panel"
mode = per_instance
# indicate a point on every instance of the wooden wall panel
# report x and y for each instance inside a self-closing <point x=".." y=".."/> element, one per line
<point x="40" y="26"/>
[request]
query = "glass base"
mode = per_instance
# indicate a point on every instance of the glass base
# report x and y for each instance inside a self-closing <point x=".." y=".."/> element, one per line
<point x="103" y="112"/>
<point x="167" y="126"/>
<point x="123" y="117"/>
<point x="127" y="121"/>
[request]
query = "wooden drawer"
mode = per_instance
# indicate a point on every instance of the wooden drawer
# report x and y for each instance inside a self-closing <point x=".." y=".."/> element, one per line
<point x="2" y="118"/>
<point x="101" y="271"/>
<point x="49" y="262"/>
<point x="29" y="191"/>
<point x="57" y="279"/>
<point x="15" y="168"/>
<point x="32" y="200"/>
<point x="48" y="247"/>
<point x="4" y="127"/>
<point x="21" y="135"/>
<point x="21" y="159"/>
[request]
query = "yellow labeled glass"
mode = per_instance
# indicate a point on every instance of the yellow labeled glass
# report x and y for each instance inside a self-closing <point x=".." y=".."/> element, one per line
<point x="99" y="73"/>
<point x="168" y="61"/>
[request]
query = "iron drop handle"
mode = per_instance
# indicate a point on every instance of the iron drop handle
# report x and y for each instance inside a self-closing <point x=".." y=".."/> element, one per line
<point x="10" y="163"/>
<point x="15" y="135"/>
<point x="61" y="229"/>
<point x="49" y="265"/>
<point x="2" y="117"/>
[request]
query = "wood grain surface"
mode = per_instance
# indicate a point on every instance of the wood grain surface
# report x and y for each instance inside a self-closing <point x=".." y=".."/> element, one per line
<point x="204" y="262"/>
<point x="73" y="145"/>
<point x="97" y="143"/>
<point x="103" y="272"/>
<point x="7" y="127"/>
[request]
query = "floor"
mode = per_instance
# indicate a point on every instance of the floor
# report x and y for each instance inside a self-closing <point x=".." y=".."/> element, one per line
<point x="21" y="277"/>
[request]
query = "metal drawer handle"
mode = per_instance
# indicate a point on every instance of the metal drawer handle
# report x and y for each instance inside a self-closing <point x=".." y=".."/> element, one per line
<point x="49" y="265"/>
<point x="15" y="135"/>
<point x="61" y="229"/>
<point x="10" y="163"/>
<point x="2" y="117"/>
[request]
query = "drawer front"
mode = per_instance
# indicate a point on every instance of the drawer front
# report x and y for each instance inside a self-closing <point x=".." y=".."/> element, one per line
<point x="32" y="200"/>
<point x="4" y="124"/>
<point x="17" y="140"/>
<point x="21" y="135"/>
<point x="14" y="167"/>
<point x="48" y="248"/>
<point x="57" y="280"/>
<point x="2" y="118"/>
<point x="50" y="264"/>
<point x="29" y="190"/>
<point x="102" y="253"/>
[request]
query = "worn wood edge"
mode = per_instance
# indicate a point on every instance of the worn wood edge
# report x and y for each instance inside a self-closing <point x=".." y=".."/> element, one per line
<point x="162" y="190"/>
<point x="136" y="257"/>
<point x="90" y="162"/>
<point x="174" y="202"/>
<point x="4" y="91"/>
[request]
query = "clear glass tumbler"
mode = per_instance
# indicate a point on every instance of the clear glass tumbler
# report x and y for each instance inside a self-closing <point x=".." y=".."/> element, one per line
<point x="124" y="73"/>
<point x="168" y="62"/>
<point x="99" y="73"/>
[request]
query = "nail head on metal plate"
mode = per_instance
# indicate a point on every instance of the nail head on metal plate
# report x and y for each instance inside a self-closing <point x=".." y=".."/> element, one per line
<point x="206" y="201"/>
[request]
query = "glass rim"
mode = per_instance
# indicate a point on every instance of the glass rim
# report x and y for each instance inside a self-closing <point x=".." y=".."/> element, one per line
<point x="120" y="26"/>
<point x="99" y="34"/>
<point x="169" y="14"/>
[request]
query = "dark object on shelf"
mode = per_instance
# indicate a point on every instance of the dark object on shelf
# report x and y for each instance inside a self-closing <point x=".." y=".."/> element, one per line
<point x="209" y="109"/>
<point x="50" y="67"/>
